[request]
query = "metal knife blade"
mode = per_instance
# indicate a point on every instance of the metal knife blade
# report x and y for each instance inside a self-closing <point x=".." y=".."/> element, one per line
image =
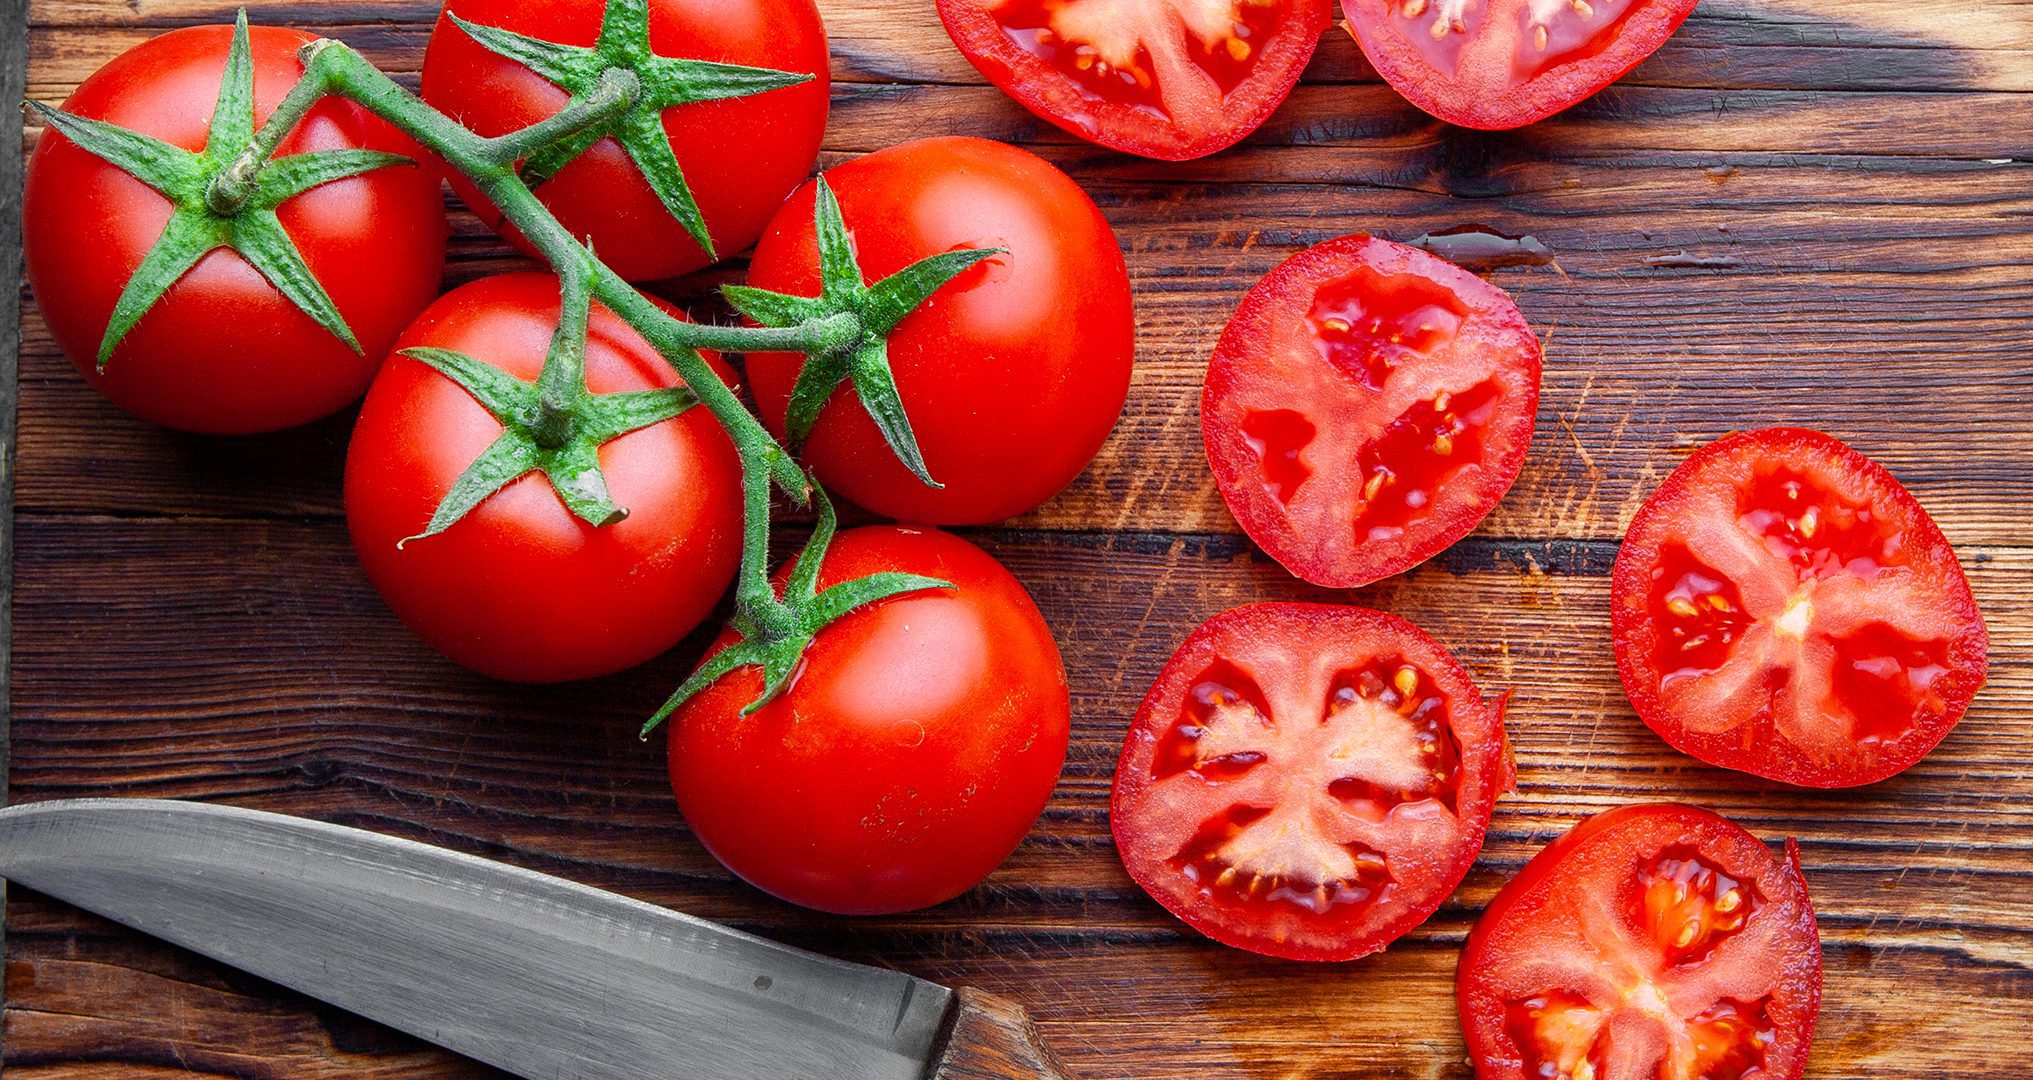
<point x="527" y="972"/>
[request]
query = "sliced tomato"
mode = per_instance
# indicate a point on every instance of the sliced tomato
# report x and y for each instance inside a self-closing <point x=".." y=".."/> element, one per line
<point x="1499" y="64"/>
<point x="1368" y="405"/>
<point x="1168" y="79"/>
<point x="1782" y="606"/>
<point x="1649" y="942"/>
<point x="1308" y="781"/>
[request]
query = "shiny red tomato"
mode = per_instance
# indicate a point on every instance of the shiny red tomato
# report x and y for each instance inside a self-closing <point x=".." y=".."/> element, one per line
<point x="1507" y="63"/>
<point x="1308" y="781"/>
<point x="1782" y="606"/>
<point x="1650" y="941"/>
<point x="224" y="352"/>
<point x="1169" y="79"/>
<point x="1368" y="406"/>
<point x="1012" y="374"/>
<point x="520" y="588"/>
<point x="738" y="156"/>
<point x="908" y="756"/>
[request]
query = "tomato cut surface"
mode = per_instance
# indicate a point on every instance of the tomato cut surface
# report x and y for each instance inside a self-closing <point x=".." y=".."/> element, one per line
<point x="1308" y="781"/>
<point x="1782" y="606"/>
<point x="1169" y="79"/>
<point x="1368" y="405"/>
<point x="1653" y="942"/>
<point x="1506" y="63"/>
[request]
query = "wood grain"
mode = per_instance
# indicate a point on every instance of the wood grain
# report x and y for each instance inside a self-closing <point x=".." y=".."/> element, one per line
<point x="1805" y="211"/>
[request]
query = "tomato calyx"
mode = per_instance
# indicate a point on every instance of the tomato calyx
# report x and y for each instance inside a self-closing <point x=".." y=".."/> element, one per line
<point x="775" y="630"/>
<point x="223" y="197"/>
<point x="661" y="83"/>
<point x="866" y="314"/>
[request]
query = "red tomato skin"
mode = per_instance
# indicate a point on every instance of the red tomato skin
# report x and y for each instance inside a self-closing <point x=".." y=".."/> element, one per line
<point x="1473" y="104"/>
<point x="1293" y="282"/>
<point x="1770" y="758"/>
<point x="910" y="754"/>
<point x="376" y="242"/>
<point x="1013" y="375"/>
<point x="1651" y="826"/>
<point x="1487" y="771"/>
<point x="740" y="156"/>
<point x="520" y="589"/>
<point x="1032" y="83"/>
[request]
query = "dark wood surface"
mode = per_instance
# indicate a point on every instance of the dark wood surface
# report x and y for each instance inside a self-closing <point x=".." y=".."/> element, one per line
<point x="1799" y="211"/>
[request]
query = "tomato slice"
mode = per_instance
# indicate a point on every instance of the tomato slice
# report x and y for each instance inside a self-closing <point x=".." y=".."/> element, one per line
<point x="1782" y="606"/>
<point x="1498" y="64"/>
<point x="1657" y="941"/>
<point x="1168" y="79"/>
<point x="1368" y="405"/>
<point x="1308" y="781"/>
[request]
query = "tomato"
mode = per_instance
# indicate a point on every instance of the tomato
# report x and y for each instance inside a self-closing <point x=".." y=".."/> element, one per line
<point x="1782" y="606"/>
<point x="907" y="757"/>
<point x="737" y="156"/>
<point x="1012" y="374"/>
<point x="1308" y="781"/>
<point x="1507" y="63"/>
<point x="1650" y="941"/>
<point x="1168" y="79"/>
<point x="520" y="588"/>
<point x="375" y="242"/>
<point x="1368" y="405"/>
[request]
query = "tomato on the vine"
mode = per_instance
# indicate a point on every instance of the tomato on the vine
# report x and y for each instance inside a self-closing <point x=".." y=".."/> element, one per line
<point x="520" y="588"/>
<point x="1783" y="606"/>
<point x="734" y="97"/>
<point x="1168" y="79"/>
<point x="1011" y="375"/>
<point x="1650" y="941"/>
<point x="1368" y="405"/>
<point x="1507" y="63"/>
<point x="907" y="757"/>
<point x="219" y="346"/>
<point x="1308" y="781"/>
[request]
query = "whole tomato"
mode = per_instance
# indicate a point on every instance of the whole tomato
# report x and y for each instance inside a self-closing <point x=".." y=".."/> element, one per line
<point x="738" y="156"/>
<point x="223" y="351"/>
<point x="908" y="756"/>
<point x="520" y="588"/>
<point x="1012" y="374"/>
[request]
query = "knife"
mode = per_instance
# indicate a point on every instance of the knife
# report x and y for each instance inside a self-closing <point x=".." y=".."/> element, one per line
<point x="542" y="977"/>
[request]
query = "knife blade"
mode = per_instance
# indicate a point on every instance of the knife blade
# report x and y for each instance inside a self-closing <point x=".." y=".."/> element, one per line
<point x="539" y="976"/>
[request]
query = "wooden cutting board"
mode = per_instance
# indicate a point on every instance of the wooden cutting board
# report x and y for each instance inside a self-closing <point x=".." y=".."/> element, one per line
<point x="1800" y="211"/>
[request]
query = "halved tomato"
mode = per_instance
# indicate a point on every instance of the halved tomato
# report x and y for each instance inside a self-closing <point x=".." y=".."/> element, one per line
<point x="1653" y="941"/>
<point x="1308" y="781"/>
<point x="1782" y="606"/>
<point x="1168" y="79"/>
<point x="1506" y="63"/>
<point x="1368" y="405"/>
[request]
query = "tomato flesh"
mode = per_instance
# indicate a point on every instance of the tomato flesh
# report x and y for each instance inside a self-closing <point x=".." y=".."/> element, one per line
<point x="1307" y="781"/>
<point x="1506" y="63"/>
<point x="1650" y="941"/>
<point x="1368" y="406"/>
<point x="1170" y="79"/>
<point x="1784" y="607"/>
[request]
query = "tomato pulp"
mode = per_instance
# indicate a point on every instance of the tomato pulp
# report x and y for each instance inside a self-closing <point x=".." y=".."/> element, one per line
<point x="1012" y="374"/>
<point x="1506" y="63"/>
<point x="1650" y="941"/>
<point x="1784" y="607"/>
<point x="1168" y="79"/>
<point x="223" y="352"/>
<point x="520" y="588"/>
<point x="908" y="756"/>
<point x="1308" y="781"/>
<point x="1368" y="405"/>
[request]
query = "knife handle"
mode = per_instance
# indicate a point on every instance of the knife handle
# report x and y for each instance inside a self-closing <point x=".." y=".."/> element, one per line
<point x="992" y="1038"/>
